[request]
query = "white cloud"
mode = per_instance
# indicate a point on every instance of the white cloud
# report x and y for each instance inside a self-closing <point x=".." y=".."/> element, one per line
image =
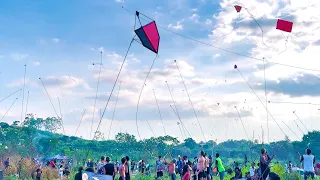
<point x="194" y="18"/>
<point x="194" y="9"/>
<point x="36" y="63"/>
<point x="56" y="40"/>
<point x="178" y="26"/>
<point x="19" y="56"/>
<point x="120" y="1"/>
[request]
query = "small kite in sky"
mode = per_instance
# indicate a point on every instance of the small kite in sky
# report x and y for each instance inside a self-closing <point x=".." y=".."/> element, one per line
<point x="284" y="25"/>
<point x="235" y="66"/>
<point x="148" y="35"/>
<point x="238" y="8"/>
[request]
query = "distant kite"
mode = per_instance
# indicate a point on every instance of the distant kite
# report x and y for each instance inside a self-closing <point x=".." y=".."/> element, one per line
<point x="148" y="35"/>
<point x="284" y="25"/>
<point x="238" y="8"/>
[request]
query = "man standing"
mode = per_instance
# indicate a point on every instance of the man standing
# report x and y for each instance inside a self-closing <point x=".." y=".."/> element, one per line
<point x="122" y="169"/>
<point x="219" y="166"/>
<point x="179" y="166"/>
<point x="101" y="164"/>
<point x="159" y="167"/>
<point x="308" y="163"/>
<point x="127" y="168"/>
<point x="109" y="169"/>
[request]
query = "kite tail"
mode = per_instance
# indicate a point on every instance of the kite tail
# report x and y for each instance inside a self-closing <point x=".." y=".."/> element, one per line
<point x="144" y="83"/>
<point x="190" y="101"/>
<point x="114" y="110"/>
<point x="233" y="28"/>
<point x="259" y="27"/>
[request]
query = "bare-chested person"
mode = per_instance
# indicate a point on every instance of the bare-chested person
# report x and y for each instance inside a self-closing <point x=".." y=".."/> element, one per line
<point x="171" y="167"/>
<point x="201" y="166"/>
<point x="122" y="169"/>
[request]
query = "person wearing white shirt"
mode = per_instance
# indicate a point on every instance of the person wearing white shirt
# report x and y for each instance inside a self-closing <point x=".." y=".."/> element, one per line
<point x="252" y="170"/>
<point x="308" y="163"/>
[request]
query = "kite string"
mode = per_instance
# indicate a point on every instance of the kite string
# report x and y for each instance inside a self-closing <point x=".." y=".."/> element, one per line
<point x="291" y="130"/>
<point x="24" y="84"/>
<point x="155" y="97"/>
<point x="190" y="101"/>
<point x="285" y="45"/>
<point x="95" y="100"/>
<point x="300" y="121"/>
<point x="80" y="122"/>
<point x="64" y="132"/>
<point x="265" y="92"/>
<point x="27" y="105"/>
<point x="8" y="109"/>
<point x="298" y="126"/>
<point x="242" y="123"/>
<point x="137" y="110"/>
<point x="182" y="125"/>
<point x="176" y="111"/>
<point x="125" y="57"/>
<point x="49" y="97"/>
<point x="10" y="95"/>
<point x="261" y="102"/>
<point x="114" y="110"/>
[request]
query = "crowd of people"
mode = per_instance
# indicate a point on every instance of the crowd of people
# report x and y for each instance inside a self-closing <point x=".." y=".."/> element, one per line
<point x="203" y="167"/>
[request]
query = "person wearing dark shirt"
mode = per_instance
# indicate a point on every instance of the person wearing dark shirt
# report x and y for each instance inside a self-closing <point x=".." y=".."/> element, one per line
<point x="38" y="174"/>
<point x="264" y="164"/>
<point x="109" y="168"/>
<point x="238" y="173"/>
<point x="78" y="176"/>
<point x="6" y="163"/>
<point x="127" y="168"/>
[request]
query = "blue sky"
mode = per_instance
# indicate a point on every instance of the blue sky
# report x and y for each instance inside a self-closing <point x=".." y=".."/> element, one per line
<point x="59" y="41"/>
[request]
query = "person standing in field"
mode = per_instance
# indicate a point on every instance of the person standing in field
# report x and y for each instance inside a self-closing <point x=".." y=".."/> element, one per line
<point x="219" y="165"/>
<point x="171" y="167"/>
<point x="201" y="166"/>
<point x="308" y="163"/>
<point x="127" y="168"/>
<point x="264" y="164"/>
<point x="122" y="169"/>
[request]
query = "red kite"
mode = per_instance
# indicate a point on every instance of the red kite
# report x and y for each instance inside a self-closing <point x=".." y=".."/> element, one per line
<point x="238" y="8"/>
<point x="284" y="25"/>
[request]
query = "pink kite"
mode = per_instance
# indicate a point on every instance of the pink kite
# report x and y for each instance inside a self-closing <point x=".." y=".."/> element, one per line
<point x="284" y="25"/>
<point x="149" y="35"/>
